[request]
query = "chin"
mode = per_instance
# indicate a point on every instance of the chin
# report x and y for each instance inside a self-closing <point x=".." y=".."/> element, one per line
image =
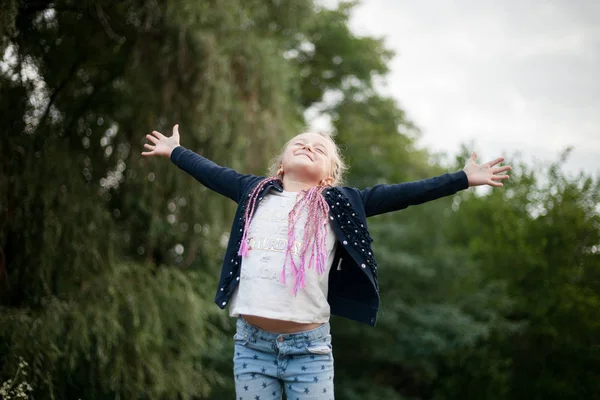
<point x="302" y="163"/>
<point x="305" y="170"/>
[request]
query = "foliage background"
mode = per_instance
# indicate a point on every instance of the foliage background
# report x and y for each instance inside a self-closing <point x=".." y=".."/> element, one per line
<point x="108" y="262"/>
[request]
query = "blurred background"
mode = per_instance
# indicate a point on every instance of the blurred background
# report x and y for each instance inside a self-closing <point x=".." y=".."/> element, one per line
<point x="109" y="262"/>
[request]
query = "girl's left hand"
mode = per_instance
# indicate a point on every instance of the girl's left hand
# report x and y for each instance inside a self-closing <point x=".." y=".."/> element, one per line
<point x="485" y="174"/>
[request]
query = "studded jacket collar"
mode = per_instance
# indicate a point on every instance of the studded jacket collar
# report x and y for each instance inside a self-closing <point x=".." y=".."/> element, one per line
<point x="353" y="286"/>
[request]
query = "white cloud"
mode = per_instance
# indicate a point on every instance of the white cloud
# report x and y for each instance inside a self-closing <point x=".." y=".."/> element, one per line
<point x="509" y="75"/>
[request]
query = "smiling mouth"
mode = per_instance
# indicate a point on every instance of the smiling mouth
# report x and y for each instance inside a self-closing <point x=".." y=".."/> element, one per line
<point x="304" y="154"/>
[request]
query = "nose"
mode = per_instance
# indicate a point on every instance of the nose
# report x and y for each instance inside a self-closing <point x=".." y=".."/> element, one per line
<point x="308" y="147"/>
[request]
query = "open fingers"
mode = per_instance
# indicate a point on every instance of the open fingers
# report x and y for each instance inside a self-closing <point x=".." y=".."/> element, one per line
<point x="494" y="183"/>
<point x="494" y="162"/>
<point x="499" y="170"/>
<point x="148" y="147"/>
<point x="159" y="135"/>
<point x="152" y="138"/>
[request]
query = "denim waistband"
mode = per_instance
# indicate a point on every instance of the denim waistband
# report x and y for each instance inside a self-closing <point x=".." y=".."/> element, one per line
<point x="244" y="328"/>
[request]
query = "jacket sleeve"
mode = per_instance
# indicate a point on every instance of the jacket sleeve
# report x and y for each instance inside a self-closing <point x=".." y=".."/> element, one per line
<point x="222" y="180"/>
<point x="381" y="199"/>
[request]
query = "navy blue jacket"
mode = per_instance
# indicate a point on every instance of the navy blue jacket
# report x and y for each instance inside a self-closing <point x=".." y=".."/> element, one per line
<point x="353" y="288"/>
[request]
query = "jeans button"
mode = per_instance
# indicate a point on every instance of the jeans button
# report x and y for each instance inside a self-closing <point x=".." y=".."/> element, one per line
<point x="280" y="339"/>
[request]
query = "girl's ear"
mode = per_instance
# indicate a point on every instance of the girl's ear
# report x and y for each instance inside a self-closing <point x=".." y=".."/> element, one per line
<point x="280" y="171"/>
<point x="326" y="181"/>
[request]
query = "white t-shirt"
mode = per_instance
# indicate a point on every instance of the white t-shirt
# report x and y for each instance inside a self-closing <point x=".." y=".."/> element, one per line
<point x="260" y="291"/>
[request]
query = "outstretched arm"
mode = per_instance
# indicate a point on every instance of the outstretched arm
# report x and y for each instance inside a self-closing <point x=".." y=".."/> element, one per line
<point x="222" y="180"/>
<point x="381" y="199"/>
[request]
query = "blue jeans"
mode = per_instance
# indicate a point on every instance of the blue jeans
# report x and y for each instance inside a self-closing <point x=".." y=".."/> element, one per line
<point x="266" y="363"/>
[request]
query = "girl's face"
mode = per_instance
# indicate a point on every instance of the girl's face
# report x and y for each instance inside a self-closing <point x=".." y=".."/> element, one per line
<point x="308" y="158"/>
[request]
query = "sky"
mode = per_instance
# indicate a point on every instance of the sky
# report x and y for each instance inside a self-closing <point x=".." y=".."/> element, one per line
<point x="507" y="76"/>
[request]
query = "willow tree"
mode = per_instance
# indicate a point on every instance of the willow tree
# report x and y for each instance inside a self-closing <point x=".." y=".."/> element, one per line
<point x="88" y="228"/>
<point x="108" y="261"/>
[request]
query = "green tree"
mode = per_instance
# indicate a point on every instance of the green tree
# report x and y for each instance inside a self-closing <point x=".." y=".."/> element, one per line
<point x="542" y="240"/>
<point x="109" y="261"/>
<point x="88" y="228"/>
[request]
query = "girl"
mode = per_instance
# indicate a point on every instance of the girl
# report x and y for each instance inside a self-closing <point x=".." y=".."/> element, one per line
<point x="299" y="251"/>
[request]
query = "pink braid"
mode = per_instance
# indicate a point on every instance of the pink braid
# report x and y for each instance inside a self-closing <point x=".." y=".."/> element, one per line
<point x="315" y="235"/>
<point x="250" y="208"/>
<point x="315" y="232"/>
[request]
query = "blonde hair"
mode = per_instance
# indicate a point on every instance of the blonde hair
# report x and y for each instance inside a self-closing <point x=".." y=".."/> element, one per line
<point x="338" y="166"/>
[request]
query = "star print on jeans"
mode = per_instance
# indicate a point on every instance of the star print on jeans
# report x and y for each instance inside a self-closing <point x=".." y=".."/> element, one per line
<point x="263" y="370"/>
<point x="264" y="385"/>
<point x="246" y="388"/>
<point x="306" y="390"/>
<point x="244" y="365"/>
<point x="253" y="375"/>
<point x="315" y="379"/>
<point x="255" y="357"/>
<point x="303" y="368"/>
<point x="256" y="397"/>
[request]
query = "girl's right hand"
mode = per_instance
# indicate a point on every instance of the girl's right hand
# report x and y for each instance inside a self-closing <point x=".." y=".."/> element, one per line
<point x="162" y="145"/>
